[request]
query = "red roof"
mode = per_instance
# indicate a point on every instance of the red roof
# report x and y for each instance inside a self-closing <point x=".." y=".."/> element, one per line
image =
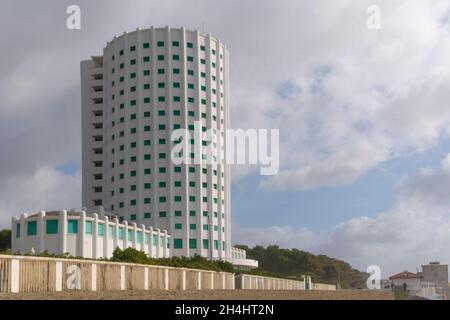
<point x="404" y="275"/>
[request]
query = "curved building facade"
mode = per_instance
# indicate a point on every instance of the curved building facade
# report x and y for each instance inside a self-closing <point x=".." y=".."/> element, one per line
<point x="147" y="84"/>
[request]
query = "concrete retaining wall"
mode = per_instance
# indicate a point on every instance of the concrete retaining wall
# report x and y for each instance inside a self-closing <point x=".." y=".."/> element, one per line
<point x="36" y="274"/>
<point x="246" y="281"/>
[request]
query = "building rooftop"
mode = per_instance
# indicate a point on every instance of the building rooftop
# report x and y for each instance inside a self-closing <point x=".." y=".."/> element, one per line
<point x="404" y="275"/>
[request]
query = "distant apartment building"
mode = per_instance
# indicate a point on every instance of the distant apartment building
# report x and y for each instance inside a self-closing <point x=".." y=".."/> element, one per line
<point x="435" y="272"/>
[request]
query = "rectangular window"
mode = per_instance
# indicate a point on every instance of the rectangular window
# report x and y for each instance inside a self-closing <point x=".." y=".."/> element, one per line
<point x="100" y="229"/>
<point x="147" y="200"/>
<point x="72" y="226"/>
<point x="190" y="45"/>
<point x="177" y="198"/>
<point x="133" y="48"/>
<point x="147" y="185"/>
<point x="139" y="236"/>
<point x="178" y="213"/>
<point x="178" y="226"/>
<point x="52" y="226"/>
<point x="110" y="231"/>
<point x="175" y="43"/>
<point x="129" y="235"/>
<point x="133" y="217"/>
<point x="160" y="43"/>
<point x="205" y="244"/>
<point x="88" y="227"/>
<point x="18" y="230"/>
<point x="120" y="233"/>
<point x="147" y="215"/>
<point x="192" y="243"/>
<point x="161" y="57"/>
<point x="146" y="59"/>
<point x="146" y="45"/>
<point x="162" y="214"/>
<point x="178" y="243"/>
<point x="216" y="244"/>
<point x="205" y="227"/>
<point x="192" y="213"/>
<point x="192" y="226"/>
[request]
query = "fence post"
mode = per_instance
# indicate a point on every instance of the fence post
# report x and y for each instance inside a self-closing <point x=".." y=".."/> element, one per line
<point x="122" y="277"/>
<point x="15" y="275"/>
<point x="94" y="277"/>
<point x="199" y="280"/>
<point x="212" y="280"/>
<point x="58" y="275"/>
<point x="145" y="278"/>
<point x="166" y="279"/>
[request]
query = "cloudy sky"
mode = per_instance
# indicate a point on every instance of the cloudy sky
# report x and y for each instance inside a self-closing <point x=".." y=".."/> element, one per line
<point x="364" y="116"/>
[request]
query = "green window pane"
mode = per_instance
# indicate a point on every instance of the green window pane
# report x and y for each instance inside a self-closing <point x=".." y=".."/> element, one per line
<point x="205" y="227"/>
<point x="139" y="236"/>
<point x="177" y="169"/>
<point x="192" y="226"/>
<point x="178" y="226"/>
<point x="120" y="233"/>
<point x="133" y="217"/>
<point x="147" y="200"/>
<point x="216" y="244"/>
<point x="72" y="226"/>
<point x="160" y="43"/>
<point x="110" y="231"/>
<point x="175" y="43"/>
<point x="100" y="229"/>
<point x="192" y="243"/>
<point x="146" y="45"/>
<point x="52" y="226"/>
<point x="192" y="213"/>
<point x="205" y="244"/>
<point x="162" y="214"/>
<point x="178" y="243"/>
<point x="147" y="185"/>
<point x="178" y="213"/>
<point x="88" y="227"/>
<point x="154" y="239"/>
<point x="147" y="215"/>
<point x="130" y="235"/>
<point x="177" y="198"/>
<point x="190" y="45"/>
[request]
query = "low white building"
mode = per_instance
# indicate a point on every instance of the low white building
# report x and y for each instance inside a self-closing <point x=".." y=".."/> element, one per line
<point x="82" y="234"/>
<point x="414" y="285"/>
<point x="239" y="259"/>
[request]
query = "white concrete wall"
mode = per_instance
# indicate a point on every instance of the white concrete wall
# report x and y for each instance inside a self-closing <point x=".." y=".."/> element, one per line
<point x="82" y="244"/>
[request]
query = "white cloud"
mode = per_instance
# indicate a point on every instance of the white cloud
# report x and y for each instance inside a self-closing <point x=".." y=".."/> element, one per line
<point x="45" y="189"/>
<point x="413" y="232"/>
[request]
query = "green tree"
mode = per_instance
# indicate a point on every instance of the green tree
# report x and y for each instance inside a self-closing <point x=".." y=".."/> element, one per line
<point x="5" y="239"/>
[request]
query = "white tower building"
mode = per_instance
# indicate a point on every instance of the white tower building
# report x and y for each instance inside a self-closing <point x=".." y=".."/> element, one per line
<point x="148" y="83"/>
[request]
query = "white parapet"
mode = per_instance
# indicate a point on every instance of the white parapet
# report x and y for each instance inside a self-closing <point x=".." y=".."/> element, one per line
<point x="82" y="234"/>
